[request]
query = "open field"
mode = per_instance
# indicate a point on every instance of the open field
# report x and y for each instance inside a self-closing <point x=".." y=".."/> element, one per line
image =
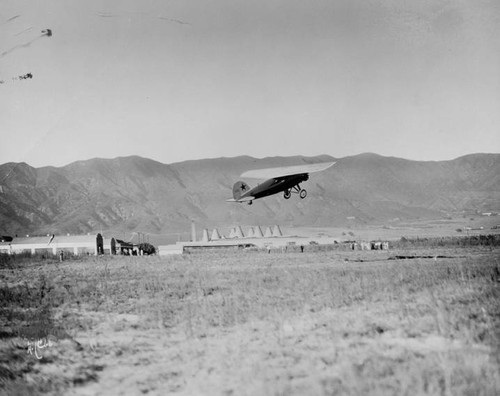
<point x="393" y="230"/>
<point x="250" y="323"/>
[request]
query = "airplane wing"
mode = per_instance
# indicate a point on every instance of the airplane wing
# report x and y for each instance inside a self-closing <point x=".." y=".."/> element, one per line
<point x="244" y="199"/>
<point x="271" y="173"/>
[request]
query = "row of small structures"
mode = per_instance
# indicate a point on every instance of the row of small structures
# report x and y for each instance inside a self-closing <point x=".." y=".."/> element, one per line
<point x="97" y="245"/>
<point x="254" y="238"/>
<point x="378" y="245"/>
<point x="237" y="232"/>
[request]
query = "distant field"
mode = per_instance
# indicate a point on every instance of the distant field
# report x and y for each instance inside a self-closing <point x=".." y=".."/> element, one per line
<point x="393" y="230"/>
<point x="252" y="323"/>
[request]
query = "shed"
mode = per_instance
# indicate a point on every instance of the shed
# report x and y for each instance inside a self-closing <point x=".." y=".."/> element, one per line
<point x="126" y="248"/>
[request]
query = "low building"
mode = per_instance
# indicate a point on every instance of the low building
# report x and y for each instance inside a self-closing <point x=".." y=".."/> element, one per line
<point x="55" y="244"/>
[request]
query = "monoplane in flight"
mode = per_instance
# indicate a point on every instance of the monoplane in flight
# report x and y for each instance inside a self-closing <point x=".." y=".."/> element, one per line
<point x="284" y="179"/>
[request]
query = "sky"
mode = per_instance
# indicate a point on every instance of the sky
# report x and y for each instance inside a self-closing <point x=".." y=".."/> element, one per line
<point x="178" y="80"/>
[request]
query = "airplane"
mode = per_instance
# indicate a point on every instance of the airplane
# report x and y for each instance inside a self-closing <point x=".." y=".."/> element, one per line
<point x="284" y="179"/>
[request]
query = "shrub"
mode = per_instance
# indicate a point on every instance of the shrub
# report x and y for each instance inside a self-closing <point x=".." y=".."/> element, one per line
<point x="147" y="248"/>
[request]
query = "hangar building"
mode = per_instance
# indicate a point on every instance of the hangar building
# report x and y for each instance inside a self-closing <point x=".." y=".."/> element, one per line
<point x="74" y="244"/>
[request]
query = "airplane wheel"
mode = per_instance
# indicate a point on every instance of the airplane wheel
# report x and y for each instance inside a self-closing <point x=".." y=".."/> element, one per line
<point x="250" y="202"/>
<point x="287" y="194"/>
<point x="303" y="193"/>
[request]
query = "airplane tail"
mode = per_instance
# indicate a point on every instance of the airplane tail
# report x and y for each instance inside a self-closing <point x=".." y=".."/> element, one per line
<point x="239" y="189"/>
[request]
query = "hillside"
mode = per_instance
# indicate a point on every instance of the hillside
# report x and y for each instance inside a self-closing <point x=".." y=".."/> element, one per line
<point x="137" y="194"/>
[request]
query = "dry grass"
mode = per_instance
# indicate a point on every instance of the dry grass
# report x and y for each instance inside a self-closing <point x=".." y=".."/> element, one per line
<point x="246" y="322"/>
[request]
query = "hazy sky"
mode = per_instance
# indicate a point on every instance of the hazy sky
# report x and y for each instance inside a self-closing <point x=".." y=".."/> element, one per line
<point x="178" y="80"/>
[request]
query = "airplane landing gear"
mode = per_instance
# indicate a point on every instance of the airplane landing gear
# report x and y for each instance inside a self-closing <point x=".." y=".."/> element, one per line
<point x="250" y="202"/>
<point x="296" y="190"/>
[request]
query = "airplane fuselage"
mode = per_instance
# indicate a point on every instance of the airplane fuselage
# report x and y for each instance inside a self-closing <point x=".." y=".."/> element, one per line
<point x="284" y="179"/>
<point x="276" y="185"/>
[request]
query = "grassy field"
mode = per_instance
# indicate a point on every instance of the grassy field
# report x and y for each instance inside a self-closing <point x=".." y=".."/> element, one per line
<point x="242" y="322"/>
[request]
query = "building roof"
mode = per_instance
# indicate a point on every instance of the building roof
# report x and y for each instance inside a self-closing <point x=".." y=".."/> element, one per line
<point x="120" y="243"/>
<point x="49" y="240"/>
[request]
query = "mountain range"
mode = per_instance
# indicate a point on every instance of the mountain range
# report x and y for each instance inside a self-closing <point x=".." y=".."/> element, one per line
<point x="129" y="194"/>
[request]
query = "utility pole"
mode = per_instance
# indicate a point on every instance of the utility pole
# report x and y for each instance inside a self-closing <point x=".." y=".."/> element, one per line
<point x="193" y="231"/>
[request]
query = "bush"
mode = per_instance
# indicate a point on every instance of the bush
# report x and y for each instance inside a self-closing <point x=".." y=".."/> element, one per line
<point x="463" y="241"/>
<point x="147" y="248"/>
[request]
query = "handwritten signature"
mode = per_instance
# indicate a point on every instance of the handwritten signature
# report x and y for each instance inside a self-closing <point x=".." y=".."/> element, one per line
<point x="35" y="347"/>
